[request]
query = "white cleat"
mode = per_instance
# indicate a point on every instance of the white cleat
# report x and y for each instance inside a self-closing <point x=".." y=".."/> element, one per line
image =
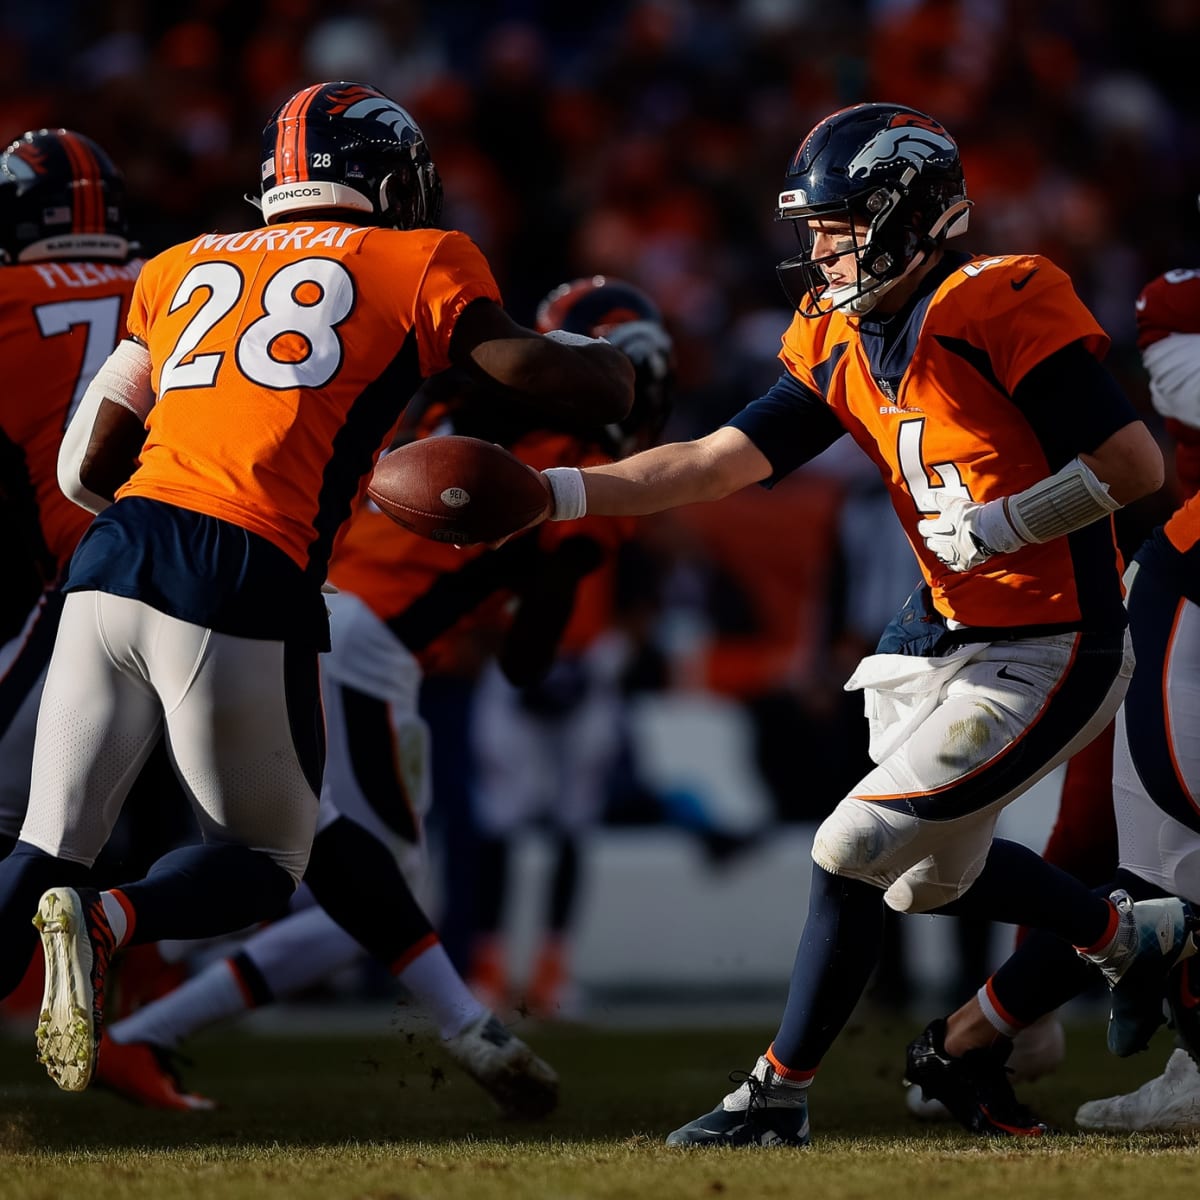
<point x="1169" y="1101"/>
<point x="522" y="1084"/>
<point x="77" y="944"/>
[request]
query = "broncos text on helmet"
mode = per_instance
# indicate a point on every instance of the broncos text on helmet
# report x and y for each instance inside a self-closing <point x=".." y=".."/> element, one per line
<point x="347" y="146"/>
<point x="60" y="197"/>
<point x="892" y="169"/>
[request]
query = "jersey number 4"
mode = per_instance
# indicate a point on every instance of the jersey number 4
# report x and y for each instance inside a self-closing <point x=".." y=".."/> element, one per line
<point x="293" y="344"/>
<point x="919" y="475"/>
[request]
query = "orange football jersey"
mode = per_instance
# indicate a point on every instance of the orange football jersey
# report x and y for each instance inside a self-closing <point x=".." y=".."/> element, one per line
<point x="948" y="420"/>
<point x="59" y="321"/>
<point x="281" y="360"/>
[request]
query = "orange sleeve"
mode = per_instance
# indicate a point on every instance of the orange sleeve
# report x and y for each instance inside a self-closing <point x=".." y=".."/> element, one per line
<point x="1024" y="308"/>
<point x="457" y="274"/>
<point x="135" y="323"/>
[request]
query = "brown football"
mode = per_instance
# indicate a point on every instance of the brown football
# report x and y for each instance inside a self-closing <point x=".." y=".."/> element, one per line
<point x="458" y="489"/>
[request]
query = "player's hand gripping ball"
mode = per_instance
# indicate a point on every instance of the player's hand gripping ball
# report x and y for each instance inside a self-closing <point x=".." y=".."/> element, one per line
<point x="458" y="489"/>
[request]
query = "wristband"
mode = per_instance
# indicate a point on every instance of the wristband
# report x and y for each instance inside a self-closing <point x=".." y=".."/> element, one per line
<point x="1068" y="500"/>
<point x="574" y="339"/>
<point x="570" y="495"/>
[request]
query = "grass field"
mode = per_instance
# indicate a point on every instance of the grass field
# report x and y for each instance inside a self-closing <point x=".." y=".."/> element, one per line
<point x="373" y="1116"/>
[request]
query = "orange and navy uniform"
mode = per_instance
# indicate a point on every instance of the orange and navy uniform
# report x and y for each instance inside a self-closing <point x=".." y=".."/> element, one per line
<point x="432" y="595"/>
<point x="932" y="396"/>
<point x="59" y="321"/>
<point x="281" y="360"/>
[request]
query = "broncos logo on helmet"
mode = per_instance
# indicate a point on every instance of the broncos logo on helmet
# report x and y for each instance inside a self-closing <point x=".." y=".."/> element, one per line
<point x="915" y="145"/>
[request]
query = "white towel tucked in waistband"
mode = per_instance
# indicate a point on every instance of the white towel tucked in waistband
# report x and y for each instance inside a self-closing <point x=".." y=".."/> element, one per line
<point x="901" y="690"/>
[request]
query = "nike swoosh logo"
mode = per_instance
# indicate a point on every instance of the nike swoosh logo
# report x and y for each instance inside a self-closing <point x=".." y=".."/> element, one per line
<point x="1005" y="673"/>
<point x="1018" y="284"/>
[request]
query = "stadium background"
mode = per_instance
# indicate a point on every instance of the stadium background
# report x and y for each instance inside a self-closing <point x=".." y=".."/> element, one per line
<point x="648" y="141"/>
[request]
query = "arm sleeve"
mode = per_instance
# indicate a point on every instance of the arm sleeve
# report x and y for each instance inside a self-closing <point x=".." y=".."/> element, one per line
<point x="1073" y="402"/>
<point x="791" y="425"/>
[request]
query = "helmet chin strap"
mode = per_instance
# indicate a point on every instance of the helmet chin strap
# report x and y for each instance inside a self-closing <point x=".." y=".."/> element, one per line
<point x="951" y="223"/>
<point x="865" y="301"/>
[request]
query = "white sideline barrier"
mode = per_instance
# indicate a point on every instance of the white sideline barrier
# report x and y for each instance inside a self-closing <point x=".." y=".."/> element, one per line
<point x="656" y="913"/>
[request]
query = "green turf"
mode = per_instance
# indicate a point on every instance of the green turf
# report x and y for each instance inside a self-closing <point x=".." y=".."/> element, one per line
<point x="383" y="1117"/>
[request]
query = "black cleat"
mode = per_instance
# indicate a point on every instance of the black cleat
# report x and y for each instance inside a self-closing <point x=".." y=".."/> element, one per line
<point x="974" y="1088"/>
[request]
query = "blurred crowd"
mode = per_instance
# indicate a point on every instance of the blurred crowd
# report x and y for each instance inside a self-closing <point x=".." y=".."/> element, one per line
<point x="648" y="140"/>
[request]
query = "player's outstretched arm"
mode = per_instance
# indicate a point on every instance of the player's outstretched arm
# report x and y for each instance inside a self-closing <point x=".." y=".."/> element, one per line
<point x="584" y="377"/>
<point x="708" y="468"/>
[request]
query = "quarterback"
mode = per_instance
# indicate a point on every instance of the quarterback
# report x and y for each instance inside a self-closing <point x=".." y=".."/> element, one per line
<point x="974" y="385"/>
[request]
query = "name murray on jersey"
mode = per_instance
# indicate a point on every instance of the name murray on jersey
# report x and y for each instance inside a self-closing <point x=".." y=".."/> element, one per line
<point x="279" y="237"/>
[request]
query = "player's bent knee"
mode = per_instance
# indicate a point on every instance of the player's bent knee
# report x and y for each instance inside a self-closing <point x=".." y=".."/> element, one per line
<point x="853" y="841"/>
<point x="914" y="894"/>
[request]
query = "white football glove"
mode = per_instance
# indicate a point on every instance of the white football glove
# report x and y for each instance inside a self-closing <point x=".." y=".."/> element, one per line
<point x="965" y="534"/>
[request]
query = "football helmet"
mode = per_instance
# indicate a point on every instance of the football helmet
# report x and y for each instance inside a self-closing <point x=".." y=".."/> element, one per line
<point x="60" y="197"/>
<point x="895" y="177"/>
<point x="347" y="146"/>
<point x="601" y="306"/>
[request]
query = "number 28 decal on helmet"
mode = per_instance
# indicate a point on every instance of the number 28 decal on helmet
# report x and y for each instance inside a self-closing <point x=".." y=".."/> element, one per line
<point x="348" y="147"/>
<point x="887" y="176"/>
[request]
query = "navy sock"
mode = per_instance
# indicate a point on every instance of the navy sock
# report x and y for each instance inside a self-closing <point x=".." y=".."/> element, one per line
<point x="838" y="951"/>
<point x="1017" y="886"/>
<point x="1045" y="972"/>
<point x="24" y="875"/>
<point x="359" y="884"/>
<point x="204" y="891"/>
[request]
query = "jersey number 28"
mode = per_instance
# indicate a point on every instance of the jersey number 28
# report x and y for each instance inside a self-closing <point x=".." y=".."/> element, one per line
<point x="303" y="303"/>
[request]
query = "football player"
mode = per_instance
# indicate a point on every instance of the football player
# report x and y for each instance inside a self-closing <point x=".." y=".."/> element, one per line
<point x="65" y="285"/>
<point x="405" y="605"/>
<point x="1155" y="768"/>
<point x="974" y="384"/>
<point x="223" y="444"/>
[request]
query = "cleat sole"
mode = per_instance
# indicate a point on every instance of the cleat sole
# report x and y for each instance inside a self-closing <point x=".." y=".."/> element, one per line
<point x="65" y="1036"/>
